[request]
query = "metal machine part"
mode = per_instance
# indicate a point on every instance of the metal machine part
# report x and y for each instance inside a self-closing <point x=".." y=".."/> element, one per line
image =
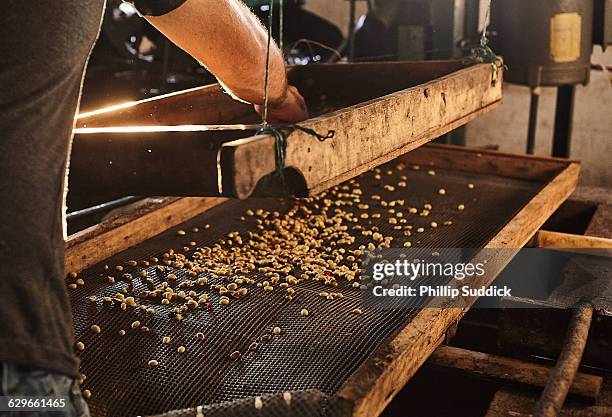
<point x="416" y="29"/>
<point x="83" y="218"/>
<point x="564" y="115"/>
<point x="602" y="23"/>
<point x="307" y="37"/>
<point x="546" y="43"/>
<point x="101" y="207"/>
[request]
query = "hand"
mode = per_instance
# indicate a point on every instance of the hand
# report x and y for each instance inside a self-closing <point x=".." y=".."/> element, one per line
<point x="291" y="110"/>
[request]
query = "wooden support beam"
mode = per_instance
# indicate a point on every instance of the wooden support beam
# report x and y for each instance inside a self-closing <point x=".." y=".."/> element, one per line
<point x="506" y="369"/>
<point x="378" y="111"/>
<point x="367" y="134"/>
<point x="557" y="240"/>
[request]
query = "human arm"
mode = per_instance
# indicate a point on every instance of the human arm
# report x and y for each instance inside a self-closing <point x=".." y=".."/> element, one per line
<point x="230" y="42"/>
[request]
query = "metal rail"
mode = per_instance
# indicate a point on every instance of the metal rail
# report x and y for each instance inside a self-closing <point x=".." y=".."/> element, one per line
<point x="101" y="207"/>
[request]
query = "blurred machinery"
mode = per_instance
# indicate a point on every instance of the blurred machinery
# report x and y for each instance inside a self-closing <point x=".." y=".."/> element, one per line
<point x="548" y="44"/>
<point x="308" y="38"/>
<point x="132" y="60"/>
<point x="414" y="30"/>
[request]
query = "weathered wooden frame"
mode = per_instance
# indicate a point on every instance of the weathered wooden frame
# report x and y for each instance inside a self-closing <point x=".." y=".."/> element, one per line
<point x="382" y="376"/>
<point x="558" y="240"/>
<point x="366" y="135"/>
<point x="396" y="107"/>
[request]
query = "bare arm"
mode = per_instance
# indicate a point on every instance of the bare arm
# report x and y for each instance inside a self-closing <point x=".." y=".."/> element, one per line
<point x="229" y="40"/>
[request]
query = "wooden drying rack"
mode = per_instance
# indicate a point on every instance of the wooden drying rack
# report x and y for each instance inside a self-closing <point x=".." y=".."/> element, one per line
<point x="382" y="376"/>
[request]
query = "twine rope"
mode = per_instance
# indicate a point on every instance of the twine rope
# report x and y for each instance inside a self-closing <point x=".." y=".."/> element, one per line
<point x="280" y="132"/>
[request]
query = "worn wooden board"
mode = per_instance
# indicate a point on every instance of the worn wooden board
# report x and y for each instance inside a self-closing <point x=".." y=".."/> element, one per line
<point x="558" y="240"/>
<point x="165" y="146"/>
<point x="501" y="368"/>
<point x="142" y="221"/>
<point x="366" y="135"/>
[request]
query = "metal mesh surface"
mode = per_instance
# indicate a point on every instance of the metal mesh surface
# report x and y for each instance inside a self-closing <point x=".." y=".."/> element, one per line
<point x="318" y="352"/>
<point x="289" y="404"/>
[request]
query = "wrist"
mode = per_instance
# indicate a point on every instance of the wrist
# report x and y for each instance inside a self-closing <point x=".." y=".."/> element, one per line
<point x="277" y="102"/>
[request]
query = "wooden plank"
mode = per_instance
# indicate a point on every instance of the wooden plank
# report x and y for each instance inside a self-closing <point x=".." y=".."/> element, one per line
<point x="99" y="242"/>
<point x="509" y="401"/>
<point x="506" y="369"/>
<point x="384" y="374"/>
<point x="200" y="105"/>
<point x="558" y="240"/>
<point x="483" y="161"/>
<point x="366" y="135"/>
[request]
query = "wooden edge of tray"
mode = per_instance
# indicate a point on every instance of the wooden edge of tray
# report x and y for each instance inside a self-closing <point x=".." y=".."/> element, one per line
<point x="366" y="135"/>
<point x="385" y="373"/>
<point x="141" y="221"/>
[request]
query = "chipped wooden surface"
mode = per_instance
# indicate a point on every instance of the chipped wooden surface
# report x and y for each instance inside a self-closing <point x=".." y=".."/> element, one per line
<point x="366" y="135"/>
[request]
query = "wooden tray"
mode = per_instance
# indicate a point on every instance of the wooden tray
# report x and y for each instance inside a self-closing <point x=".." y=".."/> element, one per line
<point x="378" y="111"/>
<point x="376" y="381"/>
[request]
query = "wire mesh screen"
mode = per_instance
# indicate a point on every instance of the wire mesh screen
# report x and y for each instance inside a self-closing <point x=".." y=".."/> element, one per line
<point x="289" y="404"/>
<point x="243" y="329"/>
